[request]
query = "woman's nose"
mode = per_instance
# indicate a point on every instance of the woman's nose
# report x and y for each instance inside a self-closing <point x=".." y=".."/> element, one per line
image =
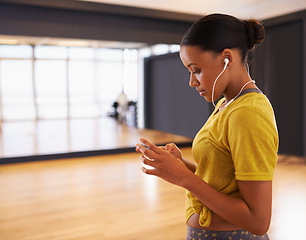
<point x="193" y="82"/>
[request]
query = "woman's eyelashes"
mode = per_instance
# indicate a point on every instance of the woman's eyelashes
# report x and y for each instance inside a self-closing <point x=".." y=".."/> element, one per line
<point x="196" y="71"/>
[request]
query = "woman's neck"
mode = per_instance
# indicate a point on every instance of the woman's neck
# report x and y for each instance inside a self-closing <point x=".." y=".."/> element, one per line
<point x="238" y="83"/>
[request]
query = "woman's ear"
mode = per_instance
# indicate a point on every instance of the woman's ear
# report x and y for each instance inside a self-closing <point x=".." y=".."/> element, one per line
<point x="227" y="54"/>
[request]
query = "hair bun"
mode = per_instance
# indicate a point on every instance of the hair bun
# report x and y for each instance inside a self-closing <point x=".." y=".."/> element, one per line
<point x="255" y="32"/>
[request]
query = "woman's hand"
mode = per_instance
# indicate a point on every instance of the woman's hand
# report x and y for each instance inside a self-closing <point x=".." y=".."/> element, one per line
<point x="174" y="150"/>
<point x="165" y="161"/>
<point x="171" y="148"/>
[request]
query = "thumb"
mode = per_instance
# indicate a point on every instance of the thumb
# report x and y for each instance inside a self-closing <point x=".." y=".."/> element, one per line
<point x="168" y="147"/>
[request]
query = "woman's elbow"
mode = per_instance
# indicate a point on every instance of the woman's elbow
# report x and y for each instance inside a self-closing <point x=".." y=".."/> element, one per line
<point x="260" y="227"/>
<point x="261" y="232"/>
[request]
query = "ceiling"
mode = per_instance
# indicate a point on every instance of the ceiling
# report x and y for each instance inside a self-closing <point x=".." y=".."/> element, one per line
<point x="260" y="9"/>
<point x="67" y="42"/>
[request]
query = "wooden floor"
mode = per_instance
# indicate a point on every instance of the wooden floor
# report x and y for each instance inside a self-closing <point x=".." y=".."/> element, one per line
<point x="108" y="197"/>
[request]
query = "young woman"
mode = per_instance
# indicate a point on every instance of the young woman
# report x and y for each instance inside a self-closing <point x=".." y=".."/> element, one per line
<point x="229" y="192"/>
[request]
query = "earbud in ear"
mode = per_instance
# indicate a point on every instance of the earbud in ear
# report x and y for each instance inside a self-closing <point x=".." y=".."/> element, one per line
<point x="226" y="61"/>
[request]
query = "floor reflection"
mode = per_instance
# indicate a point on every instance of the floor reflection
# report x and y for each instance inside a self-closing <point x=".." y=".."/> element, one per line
<point x="64" y="136"/>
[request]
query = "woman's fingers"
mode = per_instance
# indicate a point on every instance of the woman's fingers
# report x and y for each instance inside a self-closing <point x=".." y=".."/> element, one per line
<point x="149" y="149"/>
<point x="149" y="171"/>
<point x="145" y="151"/>
<point x="169" y="147"/>
<point x="174" y="150"/>
<point x="147" y="161"/>
<point x="151" y="146"/>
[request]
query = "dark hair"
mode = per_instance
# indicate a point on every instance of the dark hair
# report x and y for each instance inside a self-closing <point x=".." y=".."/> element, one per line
<point x="217" y="32"/>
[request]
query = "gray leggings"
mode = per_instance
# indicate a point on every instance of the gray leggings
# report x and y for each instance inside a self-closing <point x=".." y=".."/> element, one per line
<point x="200" y="234"/>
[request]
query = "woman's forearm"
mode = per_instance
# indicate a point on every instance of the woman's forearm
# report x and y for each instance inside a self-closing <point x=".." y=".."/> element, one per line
<point x="233" y="210"/>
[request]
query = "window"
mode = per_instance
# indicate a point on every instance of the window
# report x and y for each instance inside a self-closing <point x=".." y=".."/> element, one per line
<point x="15" y="51"/>
<point x="130" y="77"/>
<point x="109" y="77"/>
<point x="16" y="85"/>
<point x="56" y="82"/>
<point x="16" y="89"/>
<point x="51" y="89"/>
<point x="82" y="99"/>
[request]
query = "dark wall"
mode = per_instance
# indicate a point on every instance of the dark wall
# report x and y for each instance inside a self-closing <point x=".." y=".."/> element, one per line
<point x="85" y="20"/>
<point x="171" y="105"/>
<point x="279" y="70"/>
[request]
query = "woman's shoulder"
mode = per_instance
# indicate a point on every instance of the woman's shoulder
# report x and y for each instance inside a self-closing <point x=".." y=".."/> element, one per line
<point x="253" y="108"/>
<point x="252" y="102"/>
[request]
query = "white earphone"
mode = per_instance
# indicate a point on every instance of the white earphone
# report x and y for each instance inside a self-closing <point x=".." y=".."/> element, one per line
<point x="226" y="61"/>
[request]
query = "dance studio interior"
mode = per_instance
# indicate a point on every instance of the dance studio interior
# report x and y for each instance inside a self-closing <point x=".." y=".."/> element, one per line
<point x="81" y="81"/>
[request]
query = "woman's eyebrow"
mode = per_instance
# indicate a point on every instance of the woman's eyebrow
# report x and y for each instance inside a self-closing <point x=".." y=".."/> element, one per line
<point x="191" y="64"/>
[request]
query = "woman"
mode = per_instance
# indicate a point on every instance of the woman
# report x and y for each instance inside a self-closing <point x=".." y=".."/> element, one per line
<point x="229" y="192"/>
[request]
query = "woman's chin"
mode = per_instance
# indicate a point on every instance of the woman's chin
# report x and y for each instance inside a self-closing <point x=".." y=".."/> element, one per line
<point x="207" y="99"/>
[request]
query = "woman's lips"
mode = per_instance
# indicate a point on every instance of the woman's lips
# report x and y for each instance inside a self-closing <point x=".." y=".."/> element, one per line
<point x="202" y="93"/>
